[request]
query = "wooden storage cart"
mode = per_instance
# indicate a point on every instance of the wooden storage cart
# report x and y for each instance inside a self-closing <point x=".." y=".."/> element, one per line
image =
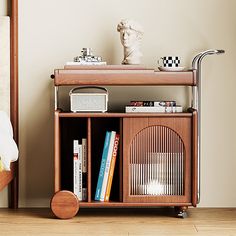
<point x="157" y="159"/>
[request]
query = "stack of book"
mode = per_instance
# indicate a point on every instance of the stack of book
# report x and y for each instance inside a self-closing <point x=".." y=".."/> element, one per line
<point x="84" y="63"/>
<point x="107" y="166"/>
<point x="153" y="106"/>
<point x="80" y="169"/>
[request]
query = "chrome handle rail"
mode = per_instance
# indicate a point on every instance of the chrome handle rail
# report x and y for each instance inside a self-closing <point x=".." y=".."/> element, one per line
<point x="196" y="102"/>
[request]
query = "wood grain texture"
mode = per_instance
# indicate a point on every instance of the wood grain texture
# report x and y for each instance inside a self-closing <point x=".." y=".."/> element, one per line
<point x="57" y="155"/>
<point x="122" y="77"/>
<point x="109" y="114"/>
<point x="14" y="110"/>
<point x="89" y="159"/>
<point x="97" y="204"/>
<point x="122" y="222"/>
<point x="14" y="66"/>
<point x="64" y="204"/>
<point x="107" y="67"/>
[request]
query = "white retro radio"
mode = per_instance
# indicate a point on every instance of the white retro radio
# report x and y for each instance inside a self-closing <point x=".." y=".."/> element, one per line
<point x="88" y="99"/>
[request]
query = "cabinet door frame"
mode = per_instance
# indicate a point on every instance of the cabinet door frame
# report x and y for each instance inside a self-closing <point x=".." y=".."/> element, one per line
<point x="183" y="127"/>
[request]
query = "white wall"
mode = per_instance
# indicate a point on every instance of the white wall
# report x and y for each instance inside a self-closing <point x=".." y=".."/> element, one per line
<point x="3" y="8"/>
<point x="53" y="32"/>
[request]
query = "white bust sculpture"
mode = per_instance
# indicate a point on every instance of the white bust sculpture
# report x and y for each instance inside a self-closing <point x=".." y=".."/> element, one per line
<point x="130" y="35"/>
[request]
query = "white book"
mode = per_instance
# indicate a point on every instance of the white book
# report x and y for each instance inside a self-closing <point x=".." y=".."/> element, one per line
<point x="76" y="167"/>
<point x="130" y="109"/>
<point x="84" y="155"/>
<point x="174" y="109"/>
<point x="107" y="167"/>
<point x="80" y="172"/>
<point x="73" y="63"/>
<point x="144" y="109"/>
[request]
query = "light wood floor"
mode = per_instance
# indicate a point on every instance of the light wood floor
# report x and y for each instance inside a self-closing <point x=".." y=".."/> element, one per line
<point x="119" y="222"/>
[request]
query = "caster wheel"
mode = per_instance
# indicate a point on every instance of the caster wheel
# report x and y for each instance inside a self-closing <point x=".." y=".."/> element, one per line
<point x="181" y="212"/>
<point x="64" y="204"/>
<point x="182" y="215"/>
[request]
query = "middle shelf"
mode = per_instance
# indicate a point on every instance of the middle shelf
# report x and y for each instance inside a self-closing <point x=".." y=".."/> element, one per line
<point x="120" y="115"/>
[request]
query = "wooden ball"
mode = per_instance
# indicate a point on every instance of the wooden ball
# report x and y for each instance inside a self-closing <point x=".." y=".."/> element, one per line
<point x="64" y="204"/>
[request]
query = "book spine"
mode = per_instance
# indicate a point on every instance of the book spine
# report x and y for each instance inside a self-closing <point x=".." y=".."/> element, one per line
<point x="102" y="166"/>
<point x="142" y="103"/>
<point x="84" y="194"/>
<point x="153" y="103"/>
<point x="76" y="167"/>
<point x="80" y="172"/>
<point x="108" y="162"/>
<point x="84" y="152"/>
<point x="165" y="103"/>
<point x="112" y="167"/>
<point x="84" y="169"/>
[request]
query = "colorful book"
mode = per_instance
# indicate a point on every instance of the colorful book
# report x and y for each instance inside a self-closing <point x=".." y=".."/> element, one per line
<point x="108" y="162"/>
<point x="84" y="169"/>
<point x="76" y="167"/>
<point x="153" y="103"/>
<point x="112" y="167"/>
<point x="102" y="166"/>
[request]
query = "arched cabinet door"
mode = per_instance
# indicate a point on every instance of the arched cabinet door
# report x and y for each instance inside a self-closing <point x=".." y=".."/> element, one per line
<point x="157" y="159"/>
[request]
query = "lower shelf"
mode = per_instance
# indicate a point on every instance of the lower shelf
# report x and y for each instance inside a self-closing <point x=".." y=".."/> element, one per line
<point x="95" y="204"/>
<point x="66" y="205"/>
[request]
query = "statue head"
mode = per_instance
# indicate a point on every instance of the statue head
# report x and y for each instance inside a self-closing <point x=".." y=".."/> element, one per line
<point x="130" y="32"/>
<point x="130" y="35"/>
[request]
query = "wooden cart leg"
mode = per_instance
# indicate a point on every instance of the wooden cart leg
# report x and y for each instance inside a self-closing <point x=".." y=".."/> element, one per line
<point x="64" y="204"/>
<point x="181" y="211"/>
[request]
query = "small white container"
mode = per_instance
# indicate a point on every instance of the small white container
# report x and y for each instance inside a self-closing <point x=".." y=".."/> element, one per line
<point x="88" y="99"/>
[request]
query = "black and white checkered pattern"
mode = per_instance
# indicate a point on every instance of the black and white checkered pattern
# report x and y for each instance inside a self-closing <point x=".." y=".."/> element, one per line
<point x="171" y="61"/>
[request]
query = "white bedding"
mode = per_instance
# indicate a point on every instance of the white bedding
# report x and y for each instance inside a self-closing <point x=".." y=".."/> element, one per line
<point x="8" y="148"/>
